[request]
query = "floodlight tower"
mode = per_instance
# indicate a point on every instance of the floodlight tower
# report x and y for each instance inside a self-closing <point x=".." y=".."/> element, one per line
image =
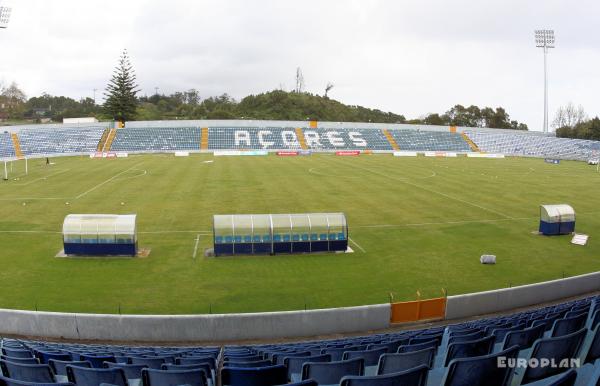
<point x="4" y="14"/>
<point x="544" y="38"/>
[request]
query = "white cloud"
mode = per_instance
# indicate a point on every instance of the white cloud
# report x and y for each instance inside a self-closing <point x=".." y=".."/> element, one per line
<point x="410" y="57"/>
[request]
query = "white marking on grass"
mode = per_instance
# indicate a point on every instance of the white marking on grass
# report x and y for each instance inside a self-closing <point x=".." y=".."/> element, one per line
<point x="445" y="222"/>
<point x="9" y="231"/>
<point x="196" y="246"/>
<point x="358" y="246"/>
<point x="43" y="178"/>
<point x="33" y="198"/>
<point x="159" y="232"/>
<point x="105" y="182"/>
<point x="403" y="180"/>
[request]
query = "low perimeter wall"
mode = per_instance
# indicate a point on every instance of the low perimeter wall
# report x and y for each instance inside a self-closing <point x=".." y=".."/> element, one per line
<point x="287" y="324"/>
<point x="190" y="328"/>
<point x="481" y="303"/>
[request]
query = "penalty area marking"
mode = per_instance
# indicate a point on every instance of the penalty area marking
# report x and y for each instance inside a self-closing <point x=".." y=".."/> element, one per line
<point x="358" y="246"/>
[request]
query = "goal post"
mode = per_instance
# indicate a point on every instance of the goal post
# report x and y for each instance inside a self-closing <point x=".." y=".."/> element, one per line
<point x="15" y="168"/>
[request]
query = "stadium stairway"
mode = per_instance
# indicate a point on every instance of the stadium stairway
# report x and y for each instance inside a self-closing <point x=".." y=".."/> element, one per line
<point x="471" y="144"/>
<point x="109" y="140"/>
<point x="102" y="141"/>
<point x="301" y="140"/>
<point x="391" y="139"/>
<point x="204" y="139"/>
<point x="17" y="145"/>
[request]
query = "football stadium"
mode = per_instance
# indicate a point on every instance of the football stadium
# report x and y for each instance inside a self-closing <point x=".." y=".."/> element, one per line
<point x="243" y="248"/>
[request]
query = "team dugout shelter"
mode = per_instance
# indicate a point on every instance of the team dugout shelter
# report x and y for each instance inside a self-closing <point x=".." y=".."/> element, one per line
<point x="246" y="234"/>
<point x="100" y="234"/>
<point x="557" y="219"/>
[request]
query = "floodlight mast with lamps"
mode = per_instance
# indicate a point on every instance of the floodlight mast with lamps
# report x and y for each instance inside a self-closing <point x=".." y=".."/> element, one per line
<point x="544" y="38"/>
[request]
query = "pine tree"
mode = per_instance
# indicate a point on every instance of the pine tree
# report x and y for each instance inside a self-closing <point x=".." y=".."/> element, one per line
<point x="121" y="101"/>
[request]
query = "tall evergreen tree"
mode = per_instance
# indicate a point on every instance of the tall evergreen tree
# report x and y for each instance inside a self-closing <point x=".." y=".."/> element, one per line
<point x="121" y="101"/>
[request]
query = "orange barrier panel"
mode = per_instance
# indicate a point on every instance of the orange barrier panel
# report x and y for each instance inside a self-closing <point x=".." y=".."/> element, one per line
<point x="418" y="310"/>
<point x="313" y="124"/>
<point x="453" y="129"/>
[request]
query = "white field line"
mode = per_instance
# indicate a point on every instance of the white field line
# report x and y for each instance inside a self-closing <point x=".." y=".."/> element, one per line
<point x="355" y="243"/>
<point x="33" y="198"/>
<point x="30" y="232"/>
<point x="196" y="246"/>
<point x="159" y="232"/>
<point x="43" y="178"/>
<point x="105" y="182"/>
<point x="434" y="191"/>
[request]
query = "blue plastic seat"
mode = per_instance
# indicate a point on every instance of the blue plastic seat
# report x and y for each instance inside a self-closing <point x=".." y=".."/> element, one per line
<point x="4" y="381"/>
<point x="472" y="348"/>
<point x="237" y="239"/>
<point x="416" y="376"/>
<point x="568" y="325"/>
<point x="258" y="376"/>
<point x="259" y="363"/>
<point x="25" y="361"/>
<point x="397" y="362"/>
<point x="466" y="338"/>
<point x="45" y="356"/>
<point x="218" y="239"/>
<point x="557" y="349"/>
<point x="278" y="358"/>
<point x="330" y="373"/>
<point x="295" y="237"/>
<point x="418" y="347"/>
<point x="256" y="238"/>
<point x="59" y="368"/>
<point x="371" y="358"/>
<point x="481" y="370"/>
<point x="592" y="351"/>
<point x="83" y="376"/>
<point x="294" y="364"/>
<point x="305" y="237"/>
<point x="247" y="239"/>
<point x="192" y="360"/>
<point x="523" y="338"/>
<point x="153" y="377"/>
<point x="131" y="371"/>
<point x="97" y="361"/>
<point x="17" y="353"/>
<point x="150" y="362"/>
<point x="28" y="373"/>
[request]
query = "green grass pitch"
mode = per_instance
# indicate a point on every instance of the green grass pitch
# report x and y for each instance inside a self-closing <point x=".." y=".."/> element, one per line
<point x="417" y="224"/>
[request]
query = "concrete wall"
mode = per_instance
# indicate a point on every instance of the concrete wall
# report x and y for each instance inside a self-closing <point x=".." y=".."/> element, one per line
<point x="506" y="299"/>
<point x="190" y="328"/>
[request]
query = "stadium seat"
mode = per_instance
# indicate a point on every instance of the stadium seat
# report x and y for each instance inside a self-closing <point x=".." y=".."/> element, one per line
<point x="524" y="338"/>
<point x="294" y="364"/>
<point x="393" y="363"/>
<point x="480" y="370"/>
<point x="330" y="373"/>
<point x="152" y="377"/>
<point x="416" y="376"/>
<point x="28" y="373"/>
<point x="371" y="358"/>
<point x="150" y="362"/>
<point x="59" y="368"/>
<point x="133" y="373"/>
<point x="17" y="353"/>
<point x="97" y="361"/>
<point x="4" y="381"/>
<point x="557" y="349"/>
<point x="472" y="348"/>
<point x="260" y="363"/>
<point x="25" y="361"/>
<point x="259" y="376"/>
<point x="45" y="356"/>
<point x="568" y="325"/>
<point x="83" y="376"/>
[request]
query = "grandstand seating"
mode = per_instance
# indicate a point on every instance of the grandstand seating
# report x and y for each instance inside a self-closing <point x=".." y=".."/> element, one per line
<point x="7" y="149"/>
<point x="346" y="139"/>
<point x="59" y="141"/>
<point x="267" y="138"/>
<point x="420" y="140"/>
<point x="157" y="139"/>
<point x="36" y="141"/>
<point x="533" y="145"/>
<point x="459" y="354"/>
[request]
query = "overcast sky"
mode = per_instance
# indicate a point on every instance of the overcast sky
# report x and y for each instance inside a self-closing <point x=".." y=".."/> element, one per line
<point x="409" y="57"/>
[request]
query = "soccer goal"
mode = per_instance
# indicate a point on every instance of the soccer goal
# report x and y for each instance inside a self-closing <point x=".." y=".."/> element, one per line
<point x="15" y="168"/>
